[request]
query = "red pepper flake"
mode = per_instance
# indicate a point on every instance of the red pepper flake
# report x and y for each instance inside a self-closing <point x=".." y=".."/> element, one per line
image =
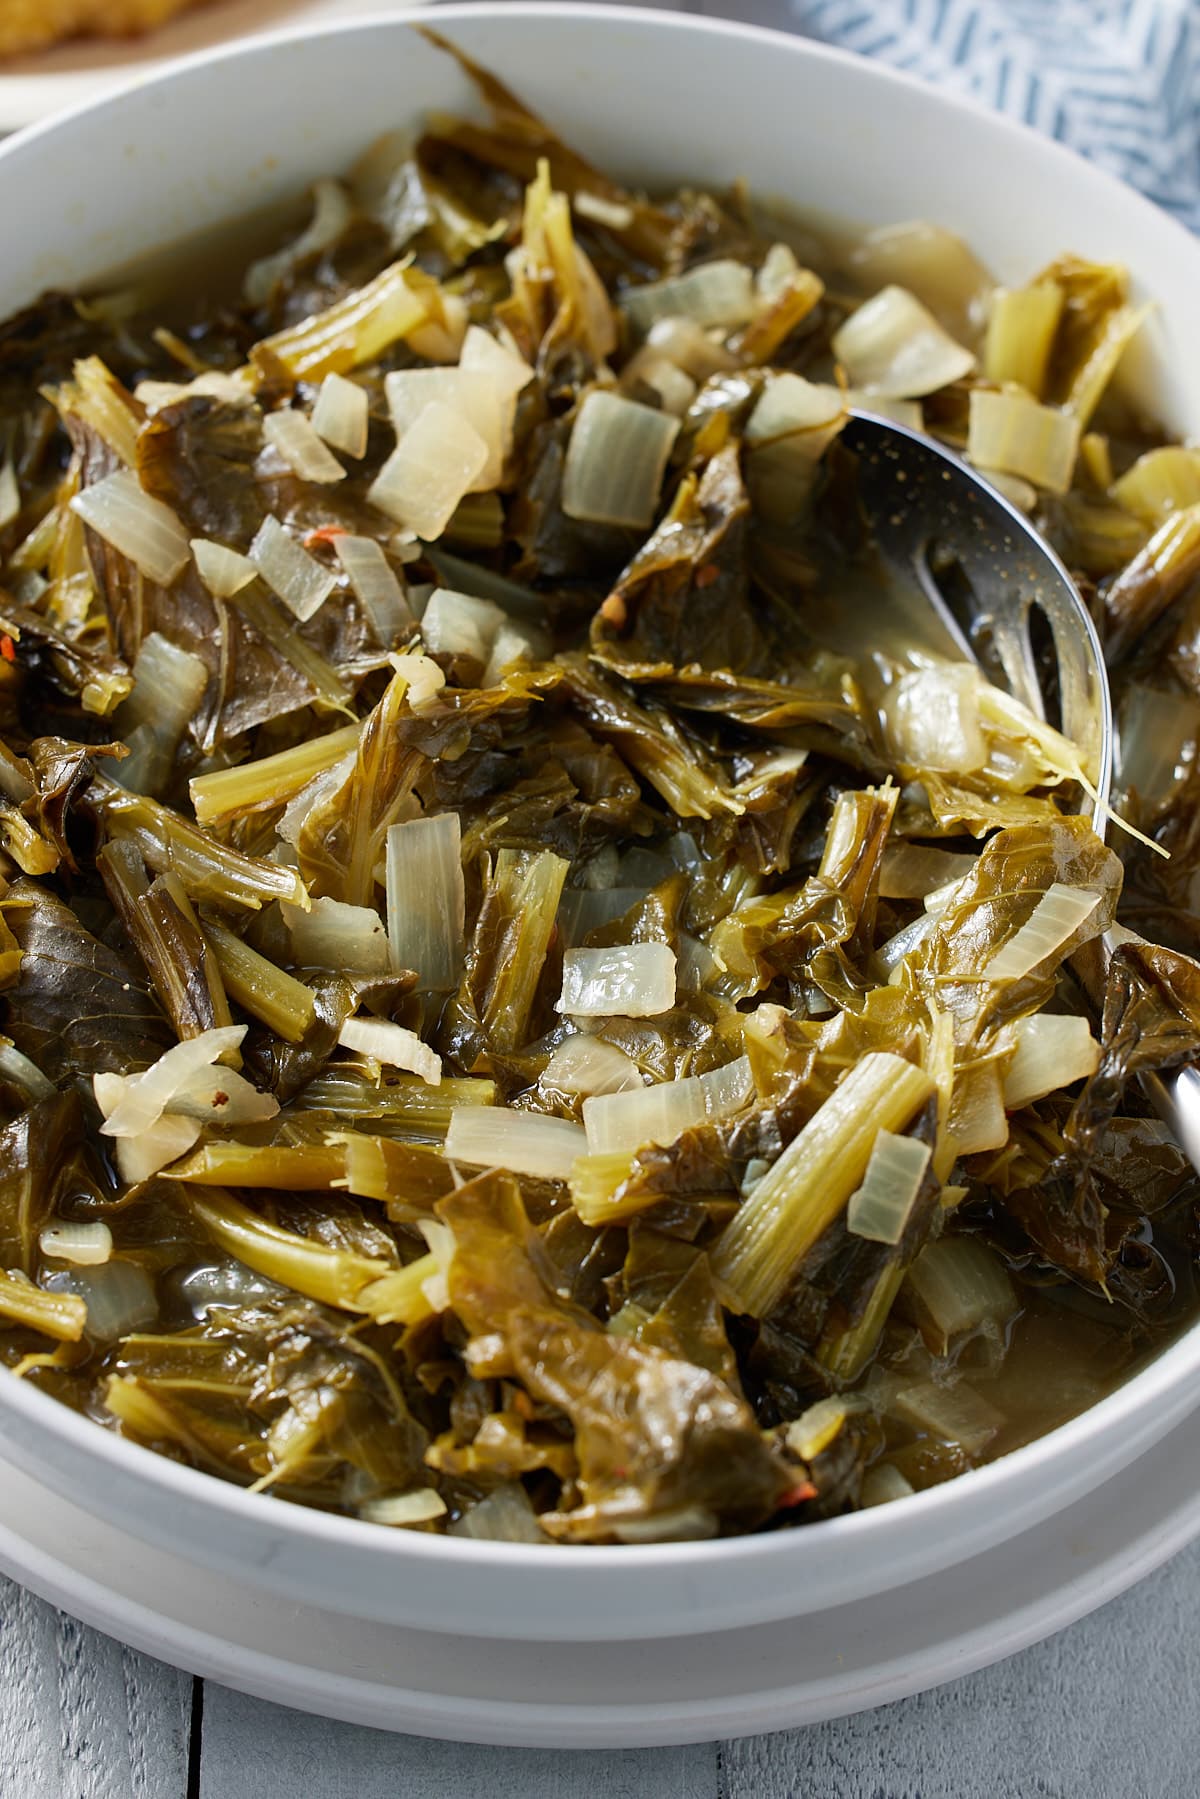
<point x="8" y="648"/>
<point x="324" y="534"/>
<point x="707" y="575"/>
<point x="797" y="1495"/>
<point x="219" y="1100"/>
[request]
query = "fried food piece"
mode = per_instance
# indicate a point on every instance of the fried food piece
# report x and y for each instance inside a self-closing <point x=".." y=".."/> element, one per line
<point x="35" y="24"/>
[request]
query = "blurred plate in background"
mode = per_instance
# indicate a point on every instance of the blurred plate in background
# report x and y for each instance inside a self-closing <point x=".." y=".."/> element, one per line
<point x="34" y="87"/>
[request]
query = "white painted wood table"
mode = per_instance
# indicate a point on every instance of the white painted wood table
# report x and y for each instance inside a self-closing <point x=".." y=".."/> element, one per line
<point x="1109" y="1709"/>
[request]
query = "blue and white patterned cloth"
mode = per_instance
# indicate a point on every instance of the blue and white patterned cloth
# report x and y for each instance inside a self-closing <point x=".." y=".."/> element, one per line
<point x="1117" y="80"/>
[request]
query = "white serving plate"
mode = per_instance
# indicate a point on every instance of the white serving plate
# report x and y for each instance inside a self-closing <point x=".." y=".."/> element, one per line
<point x="635" y="1694"/>
<point x="46" y="82"/>
<point x="658" y="98"/>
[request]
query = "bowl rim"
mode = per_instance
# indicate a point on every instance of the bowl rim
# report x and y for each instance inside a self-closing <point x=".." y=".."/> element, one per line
<point x="1163" y="1375"/>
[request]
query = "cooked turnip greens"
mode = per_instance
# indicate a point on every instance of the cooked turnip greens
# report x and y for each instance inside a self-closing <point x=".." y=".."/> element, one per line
<point x="527" y="1013"/>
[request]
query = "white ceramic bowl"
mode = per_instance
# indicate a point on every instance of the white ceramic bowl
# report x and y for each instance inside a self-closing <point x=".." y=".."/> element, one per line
<point x="657" y="98"/>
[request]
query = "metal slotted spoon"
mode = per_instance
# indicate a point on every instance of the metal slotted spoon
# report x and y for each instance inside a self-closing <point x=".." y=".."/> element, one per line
<point x="995" y="594"/>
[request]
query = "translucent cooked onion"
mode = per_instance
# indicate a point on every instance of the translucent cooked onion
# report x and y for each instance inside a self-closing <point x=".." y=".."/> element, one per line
<point x="524" y="1142"/>
<point x="1052" y="1051"/>
<point x="392" y="1044"/>
<point x="505" y="1515"/>
<point x="652" y="368"/>
<point x="342" y="415"/>
<point x="623" y="1121"/>
<point x="119" y="1296"/>
<point x="137" y="525"/>
<point x="458" y="624"/>
<point x="504" y="366"/>
<point x="892" y="345"/>
<point x="691" y="348"/>
<point x="512" y="645"/>
<point x="716" y="293"/>
<point x="426" y="899"/>
<point x="334" y="934"/>
<point x="616" y="460"/>
<point x="160" y="1144"/>
<point x="880" y="1208"/>
<point x="439" y="460"/>
<point x="588" y="1065"/>
<point x="633" y="980"/>
<point x="471" y="393"/>
<point x="931" y="718"/>
<point x="292" y="436"/>
<point x="960" y="1284"/>
<point x="374" y="581"/>
<point x="141" y="1099"/>
<point x="10" y="495"/>
<point x="297" y="578"/>
<point x="1057" y="916"/>
<point x="223" y="571"/>
<point x="399" y="1509"/>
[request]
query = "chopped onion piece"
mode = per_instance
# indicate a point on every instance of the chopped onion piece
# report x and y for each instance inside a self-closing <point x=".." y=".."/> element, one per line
<point x="1052" y="1051"/>
<point x="911" y="870"/>
<point x="933" y="263"/>
<point x="513" y="644"/>
<point x="159" y="1144"/>
<point x="632" y="980"/>
<point x="419" y="1507"/>
<point x="883" y="1484"/>
<point x="425" y="679"/>
<point x="1017" y="435"/>
<point x="715" y="293"/>
<point x="342" y="415"/>
<point x="470" y="393"/>
<point x="87" y="1245"/>
<point x="931" y="719"/>
<point x="10" y="495"/>
<point x="505" y="1515"/>
<point x="223" y="571"/>
<point x="616" y="460"/>
<point x="729" y="1088"/>
<point x="291" y="435"/>
<point x="678" y="1524"/>
<point x="651" y="368"/>
<point x="458" y="624"/>
<point x="143" y="1098"/>
<point x="892" y="345"/>
<point x="960" y="1284"/>
<point x="1057" y="916"/>
<point x="612" y="213"/>
<point x="374" y="581"/>
<point x="792" y="425"/>
<point x="426" y="899"/>
<point x="588" y="1065"/>
<point x="393" y="1044"/>
<point x="623" y="1121"/>
<point x="137" y="525"/>
<point x="290" y="572"/>
<point x="439" y="460"/>
<point x="881" y="1207"/>
<point x="815" y="1429"/>
<point x="523" y="1142"/>
<point x="955" y="1414"/>
<point x="619" y="1122"/>
<point x="1158" y="742"/>
<point x="505" y="367"/>
<point x="222" y="1096"/>
<point x="119" y="1295"/>
<point x="236" y="388"/>
<point x="333" y="934"/>
<point x="691" y="348"/>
